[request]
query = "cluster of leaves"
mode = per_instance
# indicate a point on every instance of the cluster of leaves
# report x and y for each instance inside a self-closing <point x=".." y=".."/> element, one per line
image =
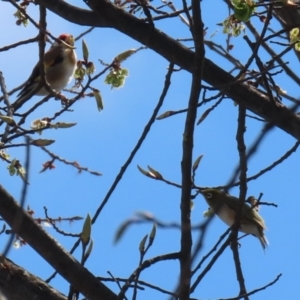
<point x="20" y="14"/>
<point x="117" y="75"/>
<point x="295" y="38"/>
<point x="232" y="26"/>
<point x="243" y="10"/>
<point x="84" y="67"/>
<point x="15" y="168"/>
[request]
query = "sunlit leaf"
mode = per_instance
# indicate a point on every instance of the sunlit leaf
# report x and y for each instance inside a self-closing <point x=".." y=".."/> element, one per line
<point x="146" y="173"/>
<point x="124" y="55"/>
<point x="155" y="174"/>
<point x="85" y="51"/>
<point x="86" y="230"/>
<point x="9" y="120"/>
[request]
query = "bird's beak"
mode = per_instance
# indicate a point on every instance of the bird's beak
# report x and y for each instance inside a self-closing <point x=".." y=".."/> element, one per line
<point x="68" y="46"/>
<point x="200" y="190"/>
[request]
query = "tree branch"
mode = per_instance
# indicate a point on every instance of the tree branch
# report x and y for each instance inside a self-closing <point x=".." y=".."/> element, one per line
<point x="197" y="29"/>
<point x="68" y="267"/>
<point x="29" y="286"/>
<point x="105" y="14"/>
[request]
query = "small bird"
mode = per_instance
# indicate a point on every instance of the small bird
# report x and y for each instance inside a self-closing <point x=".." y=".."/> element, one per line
<point x="59" y="63"/>
<point x="226" y="206"/>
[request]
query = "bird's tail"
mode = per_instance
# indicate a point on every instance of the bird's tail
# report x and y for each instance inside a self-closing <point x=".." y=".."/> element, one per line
<point x="263" y="240"/>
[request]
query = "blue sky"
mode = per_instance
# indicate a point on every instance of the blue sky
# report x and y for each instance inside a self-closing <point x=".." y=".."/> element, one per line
<point x="103" y="141"/>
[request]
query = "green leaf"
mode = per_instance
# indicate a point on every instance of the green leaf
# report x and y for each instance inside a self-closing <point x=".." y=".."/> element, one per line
<point x="294" y="35"/>
<point x="22" y="19"/>
<point x="142" y="243"/>
<point x="3" y="154"/>
<point x="243" y="9"/>
<point x="79" y="73"/>
<point x="11" y="169"/>
<point x="116" y="77"/>
<point x="42" y="142"/>
<point x="124" y="55"/>
<point x="196" y="163"/>
<point x="62" y="125"/>
<point x="9" y="120"/>
<point x="152" y="234"/>
<point x="85" y="51"/>
<point x="98" y="98"/>
<point x="86" y="230"/>
<point x="90" y="68"/>
<point x="155" y="174"/>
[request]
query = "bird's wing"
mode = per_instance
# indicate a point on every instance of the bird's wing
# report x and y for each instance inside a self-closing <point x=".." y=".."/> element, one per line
<point x="35" y="75"/>
<point x="251" y="214"/>
<point x="248" y="212"/>
<point x="53" y="57"/>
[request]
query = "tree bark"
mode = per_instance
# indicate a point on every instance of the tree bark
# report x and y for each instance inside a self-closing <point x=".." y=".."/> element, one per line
<point x="65" y="264"/>
<point x="18" y="284"/>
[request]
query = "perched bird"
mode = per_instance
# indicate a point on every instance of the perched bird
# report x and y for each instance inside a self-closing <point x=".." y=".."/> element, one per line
<point x="226" y="207"/>
<point x="59" y="63"/>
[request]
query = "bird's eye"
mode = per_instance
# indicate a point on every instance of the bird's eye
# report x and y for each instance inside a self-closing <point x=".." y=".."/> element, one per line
<point x="209" y="195"/>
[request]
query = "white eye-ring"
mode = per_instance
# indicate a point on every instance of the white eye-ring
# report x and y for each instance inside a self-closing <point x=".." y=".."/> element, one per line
<point x="209" y="195"/>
